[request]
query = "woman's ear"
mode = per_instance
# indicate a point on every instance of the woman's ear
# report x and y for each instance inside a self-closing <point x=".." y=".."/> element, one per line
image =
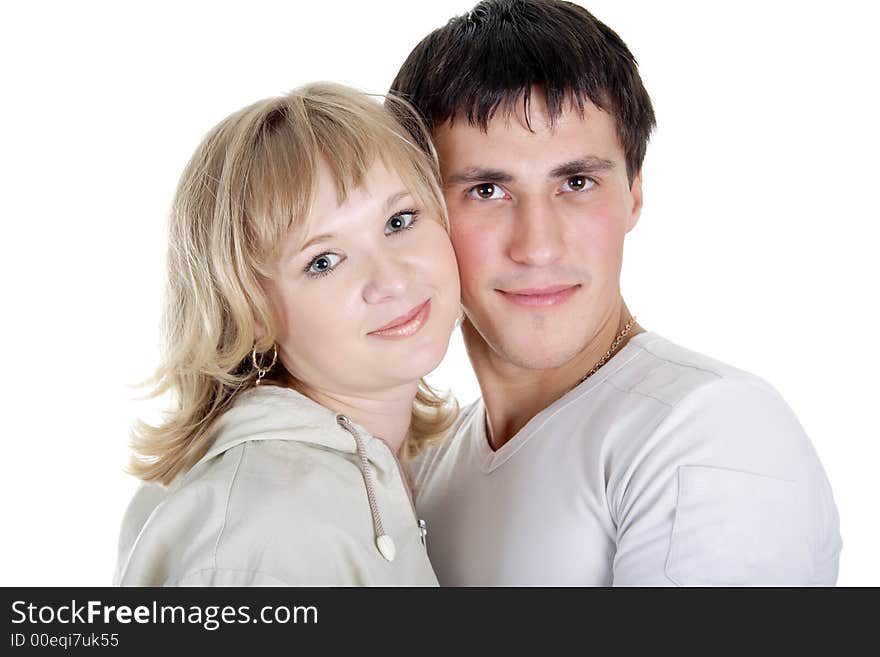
<point x="260" y="306"/>
<point x="261" y="322"/>
<point x="259" y="330"/>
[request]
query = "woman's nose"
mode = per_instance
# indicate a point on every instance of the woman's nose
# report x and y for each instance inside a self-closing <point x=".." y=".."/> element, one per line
<point x="387" y="280"/>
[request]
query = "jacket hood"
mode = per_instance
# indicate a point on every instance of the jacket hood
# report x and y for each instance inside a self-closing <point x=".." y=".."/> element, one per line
<point x="275" y="413"/>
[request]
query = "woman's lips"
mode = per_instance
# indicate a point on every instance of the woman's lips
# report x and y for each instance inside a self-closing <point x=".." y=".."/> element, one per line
<point x="540" y="297"/>
<point x="405" y="325"/>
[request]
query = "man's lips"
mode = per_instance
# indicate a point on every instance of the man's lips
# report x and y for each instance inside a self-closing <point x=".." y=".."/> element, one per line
<point x="405" y="325"/>
<point x="540" y="297"/>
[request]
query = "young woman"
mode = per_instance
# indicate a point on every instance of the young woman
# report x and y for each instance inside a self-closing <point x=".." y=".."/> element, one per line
<point x="311" y="285"/>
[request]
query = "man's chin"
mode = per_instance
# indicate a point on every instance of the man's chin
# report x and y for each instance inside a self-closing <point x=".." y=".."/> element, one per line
<point x="529" y="357"/>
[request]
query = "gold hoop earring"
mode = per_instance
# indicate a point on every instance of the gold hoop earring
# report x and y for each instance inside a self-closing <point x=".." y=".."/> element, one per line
<point x="261" y="371"/>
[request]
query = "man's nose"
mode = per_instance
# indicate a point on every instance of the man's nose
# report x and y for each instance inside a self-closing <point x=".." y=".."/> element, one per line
<point x="536" y="238"/>
<point x="387" y="279"/>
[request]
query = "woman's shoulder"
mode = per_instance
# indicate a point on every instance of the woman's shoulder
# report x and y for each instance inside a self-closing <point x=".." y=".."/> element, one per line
<point x="241" y="515"/>
<point x="258" y="479"/>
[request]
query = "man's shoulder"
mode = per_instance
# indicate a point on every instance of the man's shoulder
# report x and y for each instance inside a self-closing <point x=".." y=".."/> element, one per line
<point x="699" y="410"/>
<point x="722" y="455"/>
<point x="667" y="373"/>
<point x="665" y="399"/>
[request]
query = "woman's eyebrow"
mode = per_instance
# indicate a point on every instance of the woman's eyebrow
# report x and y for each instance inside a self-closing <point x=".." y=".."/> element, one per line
<point x="587" y="164"/>
<point x="325" y="237"/>
<point x="479" y="175"/>
<point x="396" y="197"/>
<point x="317" y="239"/>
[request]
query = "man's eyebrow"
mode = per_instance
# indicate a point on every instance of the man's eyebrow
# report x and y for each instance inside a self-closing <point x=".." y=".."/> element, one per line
<point x="473" y="175"/>
<point x="588" y="164"/>
<point x="476" y="175"/>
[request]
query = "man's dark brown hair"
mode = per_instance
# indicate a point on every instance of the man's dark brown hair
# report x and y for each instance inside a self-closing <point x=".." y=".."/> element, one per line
<point x="491" y="57"/>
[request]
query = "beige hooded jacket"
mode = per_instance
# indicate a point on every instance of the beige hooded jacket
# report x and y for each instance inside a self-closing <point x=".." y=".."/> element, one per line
<point x="289" y="493"/>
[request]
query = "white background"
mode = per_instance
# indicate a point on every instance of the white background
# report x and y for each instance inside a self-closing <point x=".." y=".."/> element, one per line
<point x="757" y="244"/>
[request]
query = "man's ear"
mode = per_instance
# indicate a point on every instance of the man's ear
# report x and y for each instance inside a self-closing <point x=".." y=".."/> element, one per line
<point x="636" y="192"/>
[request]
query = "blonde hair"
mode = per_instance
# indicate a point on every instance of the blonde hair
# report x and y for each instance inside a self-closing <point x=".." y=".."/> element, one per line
<point x="250" y="181"/>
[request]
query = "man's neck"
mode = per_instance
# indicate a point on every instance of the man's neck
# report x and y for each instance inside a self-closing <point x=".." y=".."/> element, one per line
<point x="513" y="395"/>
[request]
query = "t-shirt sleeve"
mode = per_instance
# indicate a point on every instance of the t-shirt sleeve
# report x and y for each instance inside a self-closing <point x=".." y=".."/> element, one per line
<point x="726" y="491"/>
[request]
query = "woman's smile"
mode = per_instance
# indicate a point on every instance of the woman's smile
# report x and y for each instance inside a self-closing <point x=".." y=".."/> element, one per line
<point x="405" y="325"/>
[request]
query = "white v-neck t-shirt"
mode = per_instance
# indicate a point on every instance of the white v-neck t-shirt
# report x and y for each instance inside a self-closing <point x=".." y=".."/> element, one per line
<point x="663" y="468"/>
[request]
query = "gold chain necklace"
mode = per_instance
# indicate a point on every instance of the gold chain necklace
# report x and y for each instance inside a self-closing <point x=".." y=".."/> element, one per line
<point x="614" y="345"/>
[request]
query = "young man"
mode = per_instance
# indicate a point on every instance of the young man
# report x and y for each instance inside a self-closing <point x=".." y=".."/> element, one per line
<point x="599" y="454"/>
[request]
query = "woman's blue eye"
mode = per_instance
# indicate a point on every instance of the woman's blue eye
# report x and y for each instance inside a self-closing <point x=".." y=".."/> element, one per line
<point x="323" y="264"/>
<point x="400" y="221"/>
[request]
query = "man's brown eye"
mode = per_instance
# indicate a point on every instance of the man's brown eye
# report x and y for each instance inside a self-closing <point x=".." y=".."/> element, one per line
<point x="486" y="190"/>
<point x="577" y="182"/>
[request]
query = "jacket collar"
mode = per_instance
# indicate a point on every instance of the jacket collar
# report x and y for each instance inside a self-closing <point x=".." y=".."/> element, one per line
<point x="277" y="413"/>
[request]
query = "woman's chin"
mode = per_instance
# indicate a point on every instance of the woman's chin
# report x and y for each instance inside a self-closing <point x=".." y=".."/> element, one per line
<point x="415" y="364"/>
